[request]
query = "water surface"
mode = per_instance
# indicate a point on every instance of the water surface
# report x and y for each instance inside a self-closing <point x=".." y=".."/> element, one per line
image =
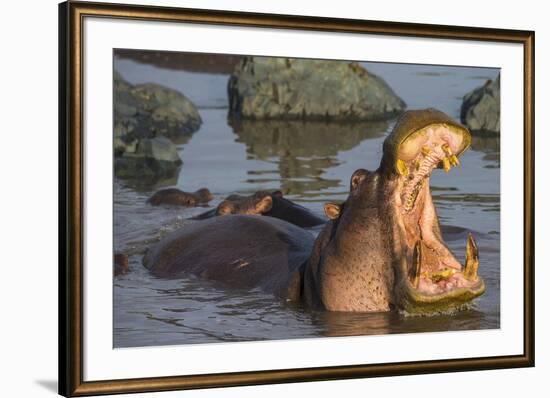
<point x="311" y="162"/>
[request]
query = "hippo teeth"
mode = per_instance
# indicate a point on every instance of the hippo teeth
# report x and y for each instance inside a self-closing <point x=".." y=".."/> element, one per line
<point x="411" y="198"/>
<point x="427" y="160"/>
<point x="422" y="170"/>
<point x="416" y="266"/>
<point x="472" y="259"/>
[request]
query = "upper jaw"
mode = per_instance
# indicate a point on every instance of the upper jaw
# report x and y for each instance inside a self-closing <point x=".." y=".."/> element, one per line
<point x="438" y="148"/>
<point x="420" y="128"/>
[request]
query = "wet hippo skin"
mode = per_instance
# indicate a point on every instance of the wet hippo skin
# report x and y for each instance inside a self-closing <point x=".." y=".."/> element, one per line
<point x="266" y="253"/>
<point x="266" y="203"/>
<point x="382" y="248"/>
<point x="120" y="264"/>
<point x="176" y="197"/>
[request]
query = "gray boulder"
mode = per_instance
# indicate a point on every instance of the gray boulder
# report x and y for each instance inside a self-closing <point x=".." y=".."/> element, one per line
<point x="149" y="110"/>
<point x="480" y="109"/>
<point x="147" y="159"/>
<point x="283" y="88"/>
<point x="147" y="117"/>
<point x="169" y="113"/>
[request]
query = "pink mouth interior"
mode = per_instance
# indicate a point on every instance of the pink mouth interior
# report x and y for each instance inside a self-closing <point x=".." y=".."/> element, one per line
<point x="456" y="281"/>
<point x="439" y="270"/>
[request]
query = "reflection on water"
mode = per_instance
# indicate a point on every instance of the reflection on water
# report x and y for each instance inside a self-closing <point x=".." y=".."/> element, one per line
<point x="301" y="151"/>
<point x="360" y="324"/>
<point x="146" y="182"/>
<point x="312" y="163"/>
<point x="491" y="147"/>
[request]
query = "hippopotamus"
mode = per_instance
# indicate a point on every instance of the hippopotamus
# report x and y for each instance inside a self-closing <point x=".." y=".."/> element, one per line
<point x="120" y="264"/>
<point x="266" y="203"/>
<point x="382" y="250"/>
<point x="176" y="197"/>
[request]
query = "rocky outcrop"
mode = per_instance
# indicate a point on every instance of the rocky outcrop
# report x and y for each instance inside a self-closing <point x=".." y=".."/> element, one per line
<point x="147" y="117"/>
<point x="284" y="88"/>
<point x="480" y="109"/>
<point x="148" y="159"/>
<point x="149" y="110"/>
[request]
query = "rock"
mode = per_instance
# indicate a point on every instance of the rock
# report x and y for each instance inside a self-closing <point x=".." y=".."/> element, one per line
<point x="480" y="109"/>
<point x="119" y="82"/>
<point x="159" y="148"/>
<point x="144" y="116"/>
<point x="168" y="112"/>
<point x="148" y="159"/>
<point x="284" y="88"/>
<point x="125" y="107"/>
<point x="149" y="110"/>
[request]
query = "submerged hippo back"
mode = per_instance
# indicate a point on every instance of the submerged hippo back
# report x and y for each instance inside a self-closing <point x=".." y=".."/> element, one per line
<point x="287" y="210"/>
<point x="279" y="207"/>
<point x="238" y="250"/>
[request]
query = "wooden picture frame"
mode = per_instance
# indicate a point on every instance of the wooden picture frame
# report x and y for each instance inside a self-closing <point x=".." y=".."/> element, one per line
<point x="71" y="238"/>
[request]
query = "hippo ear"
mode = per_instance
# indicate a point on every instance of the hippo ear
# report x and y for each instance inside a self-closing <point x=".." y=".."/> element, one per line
<point x="264" y="205"/>
<point x="333" y="210"/>
<point x="225" y="208"/>
<point x="356" y="179"/>
<point x="204" y="194"/>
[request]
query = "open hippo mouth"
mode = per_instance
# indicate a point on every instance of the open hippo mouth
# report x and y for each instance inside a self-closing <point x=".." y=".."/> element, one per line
<point x="432" y="279"/>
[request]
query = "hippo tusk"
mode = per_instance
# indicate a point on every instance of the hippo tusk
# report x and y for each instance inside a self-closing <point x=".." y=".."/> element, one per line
<point x="447" y="149"/>
<point x="472" y="259"/>
<point x="454" y="160"/>
<point x="446" y="164"/>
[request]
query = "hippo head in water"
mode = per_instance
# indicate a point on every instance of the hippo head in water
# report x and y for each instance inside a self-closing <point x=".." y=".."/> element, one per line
<point x="258" y="203"/>
<point x="176" y="197"/>
<point x="383" y="247"/>
<point x="265" y="203"/>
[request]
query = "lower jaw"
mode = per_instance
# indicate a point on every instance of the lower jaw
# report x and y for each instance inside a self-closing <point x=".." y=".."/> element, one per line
<point x="415" y="302"/>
